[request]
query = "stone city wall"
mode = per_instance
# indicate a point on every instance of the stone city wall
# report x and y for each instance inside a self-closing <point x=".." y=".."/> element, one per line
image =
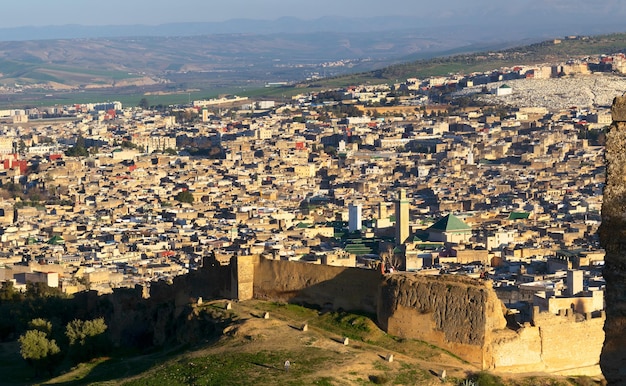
<point x="452" y="312"/>
<point x="565" y="344"/>
<point x="350" y="289"/>
<point x="457" y="313"/>
<point x="613" y="239"/>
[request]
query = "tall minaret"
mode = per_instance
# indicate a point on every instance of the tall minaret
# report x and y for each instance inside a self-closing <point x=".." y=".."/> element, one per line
<point x="402" y="217"/>
<point x="354" y="217"/>
<point x="470" y="156"/>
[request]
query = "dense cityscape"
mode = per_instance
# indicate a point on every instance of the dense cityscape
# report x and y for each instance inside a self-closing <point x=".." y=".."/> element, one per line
<point x="446" y="175"/>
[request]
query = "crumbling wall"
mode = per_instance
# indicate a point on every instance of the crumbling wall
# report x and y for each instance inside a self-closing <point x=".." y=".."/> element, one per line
<point x="350" y="289"/>
<point x="144" y="316"/>
<point x="518" y="351"/>
<point x="571" y="347"/>
<point x="613" y="239"/>
<point x="566" y="344"/>
<point x="456" y="313"/>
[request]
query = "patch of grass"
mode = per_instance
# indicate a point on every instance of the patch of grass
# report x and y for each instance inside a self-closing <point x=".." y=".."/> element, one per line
<point x="236" y="369"/>
<point x="354" y="326"/>
<point x="325" y="381"/>
<point x="13" y="368"/>
<point x="486" y="379"/>
<point x="410" y="375"/>
<point x="380" y="366"/>
<point x="584" y="381"/>
<point x="79" y="372"/>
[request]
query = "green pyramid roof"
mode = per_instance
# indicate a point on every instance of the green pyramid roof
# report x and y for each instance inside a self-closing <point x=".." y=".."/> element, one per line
<point x="420" y="237"/>
<point x="449" y="223"/>
<point x="56" y="240"/>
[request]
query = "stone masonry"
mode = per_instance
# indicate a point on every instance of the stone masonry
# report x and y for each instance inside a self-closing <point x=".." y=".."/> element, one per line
<point x="613" y="238"/>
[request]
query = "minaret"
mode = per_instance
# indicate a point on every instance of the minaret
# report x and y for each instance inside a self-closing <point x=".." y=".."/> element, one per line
<point x="402" y="217"/>
<point x="382" y="210"/>
<point x="354" y="217"/>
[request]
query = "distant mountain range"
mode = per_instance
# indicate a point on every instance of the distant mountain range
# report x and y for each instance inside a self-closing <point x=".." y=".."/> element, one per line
<point x="234" y="53"/>
<point x="240" y="54"/>
<point x="476" y="26"/>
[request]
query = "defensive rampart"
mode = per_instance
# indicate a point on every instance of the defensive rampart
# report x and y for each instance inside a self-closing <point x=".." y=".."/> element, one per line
<point x="566" y="344"/>
<point x="613" y="239"/>
<point x="350" y="289"/>
<point x="457" y="313"/>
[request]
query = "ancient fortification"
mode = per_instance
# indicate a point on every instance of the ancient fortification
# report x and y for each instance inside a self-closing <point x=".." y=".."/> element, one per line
<point x="456" y="313"/>
<point x="613" y="239"/>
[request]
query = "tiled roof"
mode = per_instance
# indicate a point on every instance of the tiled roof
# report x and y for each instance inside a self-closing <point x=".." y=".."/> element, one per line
<point x="449" y="223"/>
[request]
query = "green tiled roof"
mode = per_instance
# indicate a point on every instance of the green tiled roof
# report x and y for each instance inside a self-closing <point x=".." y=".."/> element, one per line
<point x="449" y="223"/>
<point x="56" y="240"/>
<point x="420" y="236"/>
<point x="519" y="215"/>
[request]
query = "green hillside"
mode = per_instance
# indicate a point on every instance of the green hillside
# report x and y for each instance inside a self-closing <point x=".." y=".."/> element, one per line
<point x="468" y="62"/>
<point x="253" y="349"/>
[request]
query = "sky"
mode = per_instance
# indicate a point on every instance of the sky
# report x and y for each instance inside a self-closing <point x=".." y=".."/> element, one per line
<point x="154" y="12"/>
<point x="19" y="13"/>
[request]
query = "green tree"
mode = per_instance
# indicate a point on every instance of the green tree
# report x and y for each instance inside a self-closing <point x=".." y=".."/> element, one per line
<point x="143" y="103"/>
<point x="79" y="331"/>
<point x="42" y="290"/>
<point x="8" y="293"/>
<point x="128" y="145"/>
<point x="79" y="149"/>
<point x="39" y="351"/>
<point x="87" y="338"/>
<point x="184" y="196"/>
<point x="40" y="324"/>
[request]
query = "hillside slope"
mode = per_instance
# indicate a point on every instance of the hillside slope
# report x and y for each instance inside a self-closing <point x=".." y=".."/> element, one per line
<point x="253" y="350"/>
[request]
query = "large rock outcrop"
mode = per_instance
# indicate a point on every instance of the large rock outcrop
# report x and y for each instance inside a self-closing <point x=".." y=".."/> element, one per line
<point x="613" y="238"/>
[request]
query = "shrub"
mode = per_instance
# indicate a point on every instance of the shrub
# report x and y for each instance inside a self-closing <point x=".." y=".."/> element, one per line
<point x="87" y="338"/>
<point x="39" y="351"/>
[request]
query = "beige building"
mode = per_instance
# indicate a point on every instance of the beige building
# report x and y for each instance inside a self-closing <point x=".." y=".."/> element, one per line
<point x="402" y="217"/>
<point x="6" y="145"/>
<point x="155" y="142"/>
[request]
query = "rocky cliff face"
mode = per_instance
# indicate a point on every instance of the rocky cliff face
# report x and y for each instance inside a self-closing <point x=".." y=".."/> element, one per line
<point x="456" y="313"/>
<point x="613" y="239"/>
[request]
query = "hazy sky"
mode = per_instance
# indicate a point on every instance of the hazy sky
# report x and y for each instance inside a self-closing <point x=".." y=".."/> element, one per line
<point x="123" y="12"/>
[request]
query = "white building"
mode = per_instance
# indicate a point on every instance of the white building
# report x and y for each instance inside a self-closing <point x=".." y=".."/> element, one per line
<point x="355" y="222"/>
<point x="503" y="90"/>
